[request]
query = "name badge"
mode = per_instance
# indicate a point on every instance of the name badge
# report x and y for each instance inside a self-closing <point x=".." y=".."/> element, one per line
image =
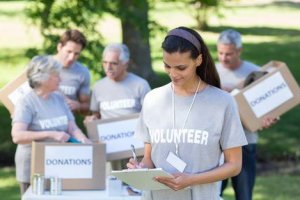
<point x="176" y="162"/>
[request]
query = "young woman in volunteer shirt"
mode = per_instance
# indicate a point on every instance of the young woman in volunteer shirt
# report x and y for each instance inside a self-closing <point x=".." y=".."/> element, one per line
<point x="41" y="115"/>
<point x="189" y="121"/>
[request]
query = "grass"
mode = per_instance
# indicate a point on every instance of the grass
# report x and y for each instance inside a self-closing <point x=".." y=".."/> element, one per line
<point x="275" y="187"/>
<point x="8" y="184"/>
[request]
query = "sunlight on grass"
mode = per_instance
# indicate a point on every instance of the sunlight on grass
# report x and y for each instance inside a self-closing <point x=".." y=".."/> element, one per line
<point x="16" y="32"/>
<point x="275" y="187"/>
<point x="8" y="184"/>
<point x="12" y="7"/>
<point x="228" y="193"/>
<point x="271" y="16"/>
<point x="172" y="15"/>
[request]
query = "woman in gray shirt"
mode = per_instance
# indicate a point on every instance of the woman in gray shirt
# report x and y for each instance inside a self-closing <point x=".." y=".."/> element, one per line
<point x="41" y="115"/>
<point x="188" y="123"/>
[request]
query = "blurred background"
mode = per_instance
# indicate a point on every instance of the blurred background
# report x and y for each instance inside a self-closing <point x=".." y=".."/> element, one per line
<point x="270" y="31"/>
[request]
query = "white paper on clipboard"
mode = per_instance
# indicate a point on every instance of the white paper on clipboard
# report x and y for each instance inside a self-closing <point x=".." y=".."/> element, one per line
<point x="142" y="179"/>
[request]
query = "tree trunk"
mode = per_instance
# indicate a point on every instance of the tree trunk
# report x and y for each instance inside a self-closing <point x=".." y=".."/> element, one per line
<point x="135" y="34"/>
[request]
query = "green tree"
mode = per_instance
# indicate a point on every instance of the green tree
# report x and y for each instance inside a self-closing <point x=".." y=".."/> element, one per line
<point x="135" y="34"/>
<point x="55" y="16"/>
<point x="200" y="9"/>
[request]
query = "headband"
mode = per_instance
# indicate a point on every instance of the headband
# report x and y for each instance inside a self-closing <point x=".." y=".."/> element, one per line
<point x="187" y="36"/>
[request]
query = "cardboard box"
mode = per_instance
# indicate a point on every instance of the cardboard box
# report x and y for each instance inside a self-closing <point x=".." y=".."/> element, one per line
<point x="118" y="134"/>
<point x="272" y="95"/>
<point x="80" y="166"/>
<point x="11" y="93"/>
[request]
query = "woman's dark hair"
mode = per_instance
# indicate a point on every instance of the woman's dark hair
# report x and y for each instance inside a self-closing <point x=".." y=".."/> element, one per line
<point x="207" y="70"/>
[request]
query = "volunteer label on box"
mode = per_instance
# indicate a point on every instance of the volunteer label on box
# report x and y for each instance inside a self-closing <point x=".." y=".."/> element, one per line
<point x="69" y="162"/>
<point x="268" y="94"/>
<point x="118" y="135"/>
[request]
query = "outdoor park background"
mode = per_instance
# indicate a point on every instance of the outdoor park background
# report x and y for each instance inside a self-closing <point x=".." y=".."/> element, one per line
<point x="271" y="31"/>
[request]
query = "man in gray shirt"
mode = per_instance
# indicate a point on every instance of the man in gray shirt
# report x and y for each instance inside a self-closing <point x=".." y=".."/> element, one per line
<point x="75" y="78"/>
<point x="233" y="71"/>
<point x="120" y="92"/>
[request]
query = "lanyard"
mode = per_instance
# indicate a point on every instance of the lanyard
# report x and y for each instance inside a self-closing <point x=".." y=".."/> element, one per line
<point x="188" y="113"/>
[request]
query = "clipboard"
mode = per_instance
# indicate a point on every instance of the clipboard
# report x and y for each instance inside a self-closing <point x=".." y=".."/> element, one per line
<point x="142" y="179"/>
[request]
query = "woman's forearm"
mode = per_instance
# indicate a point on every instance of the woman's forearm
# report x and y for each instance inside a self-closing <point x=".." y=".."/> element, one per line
<point x="223" y="172"/>
<point x="26" y="137"/>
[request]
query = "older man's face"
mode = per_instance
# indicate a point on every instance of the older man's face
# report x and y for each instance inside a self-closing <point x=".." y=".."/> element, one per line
<point x="229" y="55"/>
<point x="113" y="67"/>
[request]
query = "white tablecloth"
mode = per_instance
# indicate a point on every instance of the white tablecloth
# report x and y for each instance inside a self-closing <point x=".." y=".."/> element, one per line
<point x="78" y="195"/>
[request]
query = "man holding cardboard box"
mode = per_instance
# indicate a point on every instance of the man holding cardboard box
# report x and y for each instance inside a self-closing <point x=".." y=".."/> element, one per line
<point x="75" y="84"/>
<point x="120" y="93"/>
<point x="233" y="72"/>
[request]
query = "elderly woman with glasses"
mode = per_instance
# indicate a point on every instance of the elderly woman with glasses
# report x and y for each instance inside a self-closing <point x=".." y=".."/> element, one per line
<point x="42" y="115"/>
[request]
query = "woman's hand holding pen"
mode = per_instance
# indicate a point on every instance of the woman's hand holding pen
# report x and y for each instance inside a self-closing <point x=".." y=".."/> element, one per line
<point x="134" y="164"/>
<point x="179" y="181"/>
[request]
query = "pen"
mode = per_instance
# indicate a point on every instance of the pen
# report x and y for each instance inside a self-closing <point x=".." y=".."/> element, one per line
<point x="133" y="152"/>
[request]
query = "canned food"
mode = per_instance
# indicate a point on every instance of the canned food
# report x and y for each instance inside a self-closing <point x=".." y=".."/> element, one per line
<point x="55" y="186"/>
<point x="38" y="184"/>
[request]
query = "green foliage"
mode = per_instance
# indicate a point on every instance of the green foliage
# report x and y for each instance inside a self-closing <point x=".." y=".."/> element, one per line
<point x="9" y="188"/>
<point x="275" y="187"/>
<point x="7" y="148"/>
<point x="200" y="10"/>
<point x="54" y="17"/>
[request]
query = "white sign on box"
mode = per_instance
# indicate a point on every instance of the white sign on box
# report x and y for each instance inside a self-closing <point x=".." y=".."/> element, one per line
<point x="21" y="91"/>
<point x="268" y="94"/>
<point x="119" y="135"/>
<point x="69" y="162"/>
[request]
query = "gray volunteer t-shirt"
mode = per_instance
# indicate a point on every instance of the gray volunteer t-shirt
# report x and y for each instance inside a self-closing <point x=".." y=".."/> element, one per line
<point x="40" y="114"/>
<point x="75" y="81"/>
<point x="230" y="79"/>
<point x="114" y="99"/>
<point x="213" y="125"/>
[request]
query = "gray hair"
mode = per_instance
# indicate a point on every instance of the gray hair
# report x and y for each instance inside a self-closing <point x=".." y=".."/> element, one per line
<point x="40" y="68"/>
<point x="121" y="48"/>
<point x="230" y="36"/>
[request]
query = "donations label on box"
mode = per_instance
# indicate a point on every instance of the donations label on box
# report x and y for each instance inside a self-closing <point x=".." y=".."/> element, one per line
<point x="64" y="163"/>
<point x="272" y="95"/>
<point x="80" y="166"/>
<point x="118" y="134"/>
<point x="268" y="95"/>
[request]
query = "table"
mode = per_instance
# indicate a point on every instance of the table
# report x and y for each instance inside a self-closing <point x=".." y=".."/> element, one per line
<point x="79" y="195"/>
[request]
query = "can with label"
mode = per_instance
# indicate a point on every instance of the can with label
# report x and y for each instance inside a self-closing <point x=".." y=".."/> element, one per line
<point x="55" y="186"/>
<point x="38" y="184"/>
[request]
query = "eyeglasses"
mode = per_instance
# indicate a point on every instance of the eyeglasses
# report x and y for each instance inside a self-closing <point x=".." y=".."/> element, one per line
<point x="110" y="63"/>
